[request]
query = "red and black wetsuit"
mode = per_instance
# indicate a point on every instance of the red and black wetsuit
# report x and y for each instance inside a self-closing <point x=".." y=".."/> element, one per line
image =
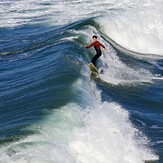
<point x="96" y="45"/>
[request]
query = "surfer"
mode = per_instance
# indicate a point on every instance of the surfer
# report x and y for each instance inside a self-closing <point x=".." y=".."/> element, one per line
<point x="96" y="45"/>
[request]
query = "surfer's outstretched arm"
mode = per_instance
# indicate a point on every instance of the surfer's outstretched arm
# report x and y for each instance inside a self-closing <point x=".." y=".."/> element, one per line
<point x="89" y="45"/>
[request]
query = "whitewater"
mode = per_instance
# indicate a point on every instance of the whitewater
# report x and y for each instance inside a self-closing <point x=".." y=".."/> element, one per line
<point x="53" y="110"/>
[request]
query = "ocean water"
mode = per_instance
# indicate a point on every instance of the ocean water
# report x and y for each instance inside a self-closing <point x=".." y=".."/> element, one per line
<point x="52" y="109"/>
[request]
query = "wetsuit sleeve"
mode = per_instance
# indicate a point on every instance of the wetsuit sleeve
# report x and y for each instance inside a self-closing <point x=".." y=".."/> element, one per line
<point x="90" y="45"/>
<point x="102" y="45"/>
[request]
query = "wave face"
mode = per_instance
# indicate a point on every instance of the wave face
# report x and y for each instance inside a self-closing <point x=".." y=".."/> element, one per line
<point x="53" y="110"/>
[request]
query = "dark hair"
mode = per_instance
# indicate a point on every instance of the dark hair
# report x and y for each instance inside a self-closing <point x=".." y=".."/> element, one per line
<point x="94" y="36"/>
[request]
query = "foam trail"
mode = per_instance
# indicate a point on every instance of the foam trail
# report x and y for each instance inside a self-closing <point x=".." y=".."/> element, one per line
<point x="116" y="72"/>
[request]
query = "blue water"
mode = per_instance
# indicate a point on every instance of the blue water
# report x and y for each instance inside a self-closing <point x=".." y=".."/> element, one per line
<point x="52" y="109"/>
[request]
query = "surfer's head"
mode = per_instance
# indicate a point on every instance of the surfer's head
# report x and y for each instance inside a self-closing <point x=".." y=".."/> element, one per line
<point x="94" y="38"/>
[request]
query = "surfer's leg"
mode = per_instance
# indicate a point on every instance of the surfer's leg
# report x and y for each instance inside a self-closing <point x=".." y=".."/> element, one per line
<point x="95" y="58"/>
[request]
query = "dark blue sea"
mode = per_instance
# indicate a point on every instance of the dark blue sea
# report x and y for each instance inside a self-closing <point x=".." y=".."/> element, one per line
<point x="53" y="109"/>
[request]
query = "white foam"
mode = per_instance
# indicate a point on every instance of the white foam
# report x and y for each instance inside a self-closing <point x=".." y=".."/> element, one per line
<point x="138" y="29"/>
<point x="108" y="136"/>
<point x="100" y="132"/>
<point x="56" y="12"/>
<point x="156" y="127"/>
<point x="15" y="13"/>
<point x="135" y="25"/>
<point x="19" y="12"/>
<point x="117" y="72"/>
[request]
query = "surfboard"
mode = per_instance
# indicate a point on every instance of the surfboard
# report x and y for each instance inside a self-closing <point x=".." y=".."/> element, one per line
<point x="93" y="68"/>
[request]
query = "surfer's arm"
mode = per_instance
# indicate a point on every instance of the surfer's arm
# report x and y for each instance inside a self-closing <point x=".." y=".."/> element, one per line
<point x="89" y="45"/>
<point x="103" y="47"/>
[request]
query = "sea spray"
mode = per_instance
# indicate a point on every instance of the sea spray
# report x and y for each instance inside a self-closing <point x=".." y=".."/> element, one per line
<point x="100" y="132"/>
